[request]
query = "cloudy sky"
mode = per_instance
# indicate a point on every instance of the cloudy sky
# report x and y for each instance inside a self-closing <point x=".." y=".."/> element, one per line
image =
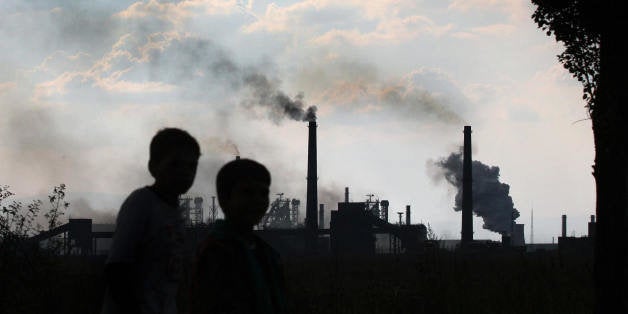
<point x="84" y="86"/>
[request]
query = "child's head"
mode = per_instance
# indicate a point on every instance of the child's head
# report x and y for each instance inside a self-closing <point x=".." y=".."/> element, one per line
<point x="173" y="159"/>
<point x="242" y="187"/>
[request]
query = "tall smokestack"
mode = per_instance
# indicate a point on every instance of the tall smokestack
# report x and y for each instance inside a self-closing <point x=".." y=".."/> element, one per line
<point x="312" y="191"/>
<point x="346" y="194"/>
<point x="408" y="215"/>
<point x="321" y="216"/>
<point x="467" y="190"/>
<point x="592" y="227"/>
<point x="564" y="229"/>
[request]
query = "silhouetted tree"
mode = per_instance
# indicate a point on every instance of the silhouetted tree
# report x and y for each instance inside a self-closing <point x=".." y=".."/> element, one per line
<point x="57" y="204"/>
<point x="596" y="52"/>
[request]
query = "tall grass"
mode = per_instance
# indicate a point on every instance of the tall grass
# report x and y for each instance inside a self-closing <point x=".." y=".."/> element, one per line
<point x="436" y="282"/>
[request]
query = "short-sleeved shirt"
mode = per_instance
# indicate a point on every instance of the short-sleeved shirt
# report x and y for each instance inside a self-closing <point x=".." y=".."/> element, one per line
<point x="150" y="235"/>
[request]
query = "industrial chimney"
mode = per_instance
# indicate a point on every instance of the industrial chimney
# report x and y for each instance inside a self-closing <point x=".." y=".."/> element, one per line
<point x="346" y="194"/>
<point x="592" y="227"/>
<point x="312" y="191"/>
<point x="321" y="216"/>
<point x="408" y="215"/>
<point x="564" y="228"/>
<point x="467" y="190"/>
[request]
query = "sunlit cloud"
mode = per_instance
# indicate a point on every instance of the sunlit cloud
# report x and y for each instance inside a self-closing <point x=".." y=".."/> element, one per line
<point x="7" y="86"/>
<point x="515" y="9"/>
<point x="178" y="13"/>
<point x="393" y="30"/>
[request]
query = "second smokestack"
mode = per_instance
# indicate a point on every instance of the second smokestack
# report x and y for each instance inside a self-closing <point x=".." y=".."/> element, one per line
<point x="467" y="190"/>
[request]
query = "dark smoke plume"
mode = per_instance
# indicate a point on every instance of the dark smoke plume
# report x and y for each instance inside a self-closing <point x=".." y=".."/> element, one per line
<point x="267" y="94"/>
<point x="212" y="64"/>
<point x="491" y="199"/>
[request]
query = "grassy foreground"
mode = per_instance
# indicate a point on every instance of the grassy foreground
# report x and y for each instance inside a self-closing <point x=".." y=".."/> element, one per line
<point x="435" y="282"/>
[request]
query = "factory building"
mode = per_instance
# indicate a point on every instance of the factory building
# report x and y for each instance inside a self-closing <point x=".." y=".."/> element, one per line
<point x="582" y="246"/>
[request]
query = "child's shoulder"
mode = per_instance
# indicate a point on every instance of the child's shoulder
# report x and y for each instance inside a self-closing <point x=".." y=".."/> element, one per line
<point x="140" y="195"/>
<point x="138" y="205"/>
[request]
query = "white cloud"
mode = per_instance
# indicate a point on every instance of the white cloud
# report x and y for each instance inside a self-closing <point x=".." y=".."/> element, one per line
<point x="464" y="35"/>
<point x="178" y="13"/>
<point x="392" y="30"/>
<point x="55" y="86"/>
<point x="393" y="21"/>
<point x="107" y="72"/>
<point x="7" y="86"/>
<point x="277" y="18"/>
<point x="122" y="86"/>
<point x="494" y="30"/>
<point x="515" y="9"/>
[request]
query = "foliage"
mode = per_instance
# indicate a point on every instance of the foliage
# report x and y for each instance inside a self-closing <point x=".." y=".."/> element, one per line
<point x="19" y="222"/>
<point x="25" y="269"/>
<point x="57" y="204"/>
<point x="14" y="222"/>
<point x="573" y="23"/>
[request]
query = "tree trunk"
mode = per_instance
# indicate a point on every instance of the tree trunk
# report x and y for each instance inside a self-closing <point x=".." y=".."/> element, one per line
<point x="610" y="130"/>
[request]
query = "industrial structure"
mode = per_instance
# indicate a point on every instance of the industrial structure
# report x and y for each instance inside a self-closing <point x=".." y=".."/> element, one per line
<point x="361" y="228"/>
<point x="282" y="214"/>
<point x="311" y="224"/>
<point x="577" y="245"/>
<point x="192" y="208"/>
<point x="355" y="227"/>
<point x="467" y="191"/>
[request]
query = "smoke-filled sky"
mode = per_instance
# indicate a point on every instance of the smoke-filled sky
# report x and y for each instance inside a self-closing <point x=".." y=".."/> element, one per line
<point x="85" y="84"/>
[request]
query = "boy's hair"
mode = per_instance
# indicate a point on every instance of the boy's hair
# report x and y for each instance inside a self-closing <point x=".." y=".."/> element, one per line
<point x="169" y="139"/>
<point x="236" y="171"/>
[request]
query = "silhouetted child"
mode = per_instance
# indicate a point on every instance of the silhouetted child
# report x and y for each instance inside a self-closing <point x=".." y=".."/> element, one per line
<point x="146" y="257"/>
<point x="236" y="271"/>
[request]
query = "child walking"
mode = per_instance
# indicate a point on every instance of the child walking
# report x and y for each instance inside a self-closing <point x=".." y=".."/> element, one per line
<point x="236" y="271"/>
<point x="145" y="262"/>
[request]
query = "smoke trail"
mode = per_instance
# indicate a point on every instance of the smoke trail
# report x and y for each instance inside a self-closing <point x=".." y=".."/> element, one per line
<point x="173" y="57"/>
<point x="423" y="94"/>
<point x="221" y="145"/>
<point x="267" y="94"/>
<point x="491" y="199"/>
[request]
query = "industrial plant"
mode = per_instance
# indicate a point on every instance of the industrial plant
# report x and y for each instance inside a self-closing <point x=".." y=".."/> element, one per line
<point x="355" y="228"/>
